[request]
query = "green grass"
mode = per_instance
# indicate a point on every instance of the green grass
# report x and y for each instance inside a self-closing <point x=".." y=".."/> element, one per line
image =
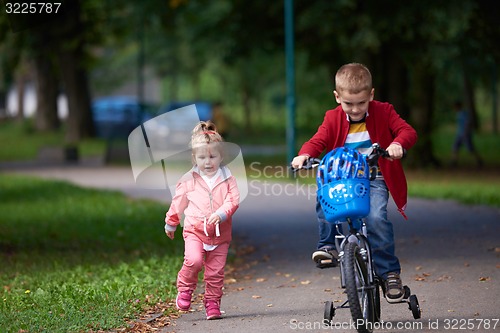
<point x="77" y="260"/>
<point x="469" y="187"/>
<point x="19" y="141"/>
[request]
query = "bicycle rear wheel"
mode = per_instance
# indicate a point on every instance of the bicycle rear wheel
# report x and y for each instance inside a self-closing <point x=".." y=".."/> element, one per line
<point x="360" y="293"/>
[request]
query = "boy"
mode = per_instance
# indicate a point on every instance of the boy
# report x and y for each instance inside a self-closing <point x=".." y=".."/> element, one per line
<point x="358" y="122"/>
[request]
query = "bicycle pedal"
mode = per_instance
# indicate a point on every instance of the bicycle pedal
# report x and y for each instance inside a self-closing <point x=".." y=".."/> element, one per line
<point x="407" y="292"/>
<point x="326" y="263"/>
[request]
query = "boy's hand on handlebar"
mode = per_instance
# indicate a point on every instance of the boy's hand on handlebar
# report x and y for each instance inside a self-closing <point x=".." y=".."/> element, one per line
<point x="395" y="151"/>
<point x="298" y="161"/>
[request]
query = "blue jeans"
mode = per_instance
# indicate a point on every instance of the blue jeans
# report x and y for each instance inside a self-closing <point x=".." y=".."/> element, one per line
<point x="379" y="229"/>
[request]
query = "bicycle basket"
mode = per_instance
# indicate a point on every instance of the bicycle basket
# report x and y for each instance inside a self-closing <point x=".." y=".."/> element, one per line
<point x="343" y="185"/>
<point x="345" y="198"/>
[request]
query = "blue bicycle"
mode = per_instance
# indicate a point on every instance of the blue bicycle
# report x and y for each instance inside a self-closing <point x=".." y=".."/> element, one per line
<point x="343" y="179"/>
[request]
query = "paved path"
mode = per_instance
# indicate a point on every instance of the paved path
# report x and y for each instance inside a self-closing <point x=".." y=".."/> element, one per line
<point x="449" y="253"/>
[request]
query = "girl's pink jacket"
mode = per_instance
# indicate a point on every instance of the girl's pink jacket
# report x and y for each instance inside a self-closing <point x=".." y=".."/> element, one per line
<point x="197" y="202"/>
<point x="384" y="126"/>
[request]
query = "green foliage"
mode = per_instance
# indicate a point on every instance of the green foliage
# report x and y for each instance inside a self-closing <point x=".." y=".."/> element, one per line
<point x="77" y="259"/>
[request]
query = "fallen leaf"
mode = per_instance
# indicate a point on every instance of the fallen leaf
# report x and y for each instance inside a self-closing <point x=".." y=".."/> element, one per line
<point x="443" y="277"/>
<point x="230" y="281"/>
<point x="484" y="278"/>
<point x="327" y="290"/>
<point x="269" y="305"/>
<point x="260" y="280"/>
<point x="418" y="268"/>
<point x="305" y="282"/>
<point x="240" y="288"/>
<point x="256" y="296"/>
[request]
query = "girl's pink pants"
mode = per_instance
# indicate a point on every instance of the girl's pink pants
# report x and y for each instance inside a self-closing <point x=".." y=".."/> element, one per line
<point x="195" y="257"/>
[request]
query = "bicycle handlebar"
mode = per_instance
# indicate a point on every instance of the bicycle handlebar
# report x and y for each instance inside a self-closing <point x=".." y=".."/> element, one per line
<point x="372" y="160"/>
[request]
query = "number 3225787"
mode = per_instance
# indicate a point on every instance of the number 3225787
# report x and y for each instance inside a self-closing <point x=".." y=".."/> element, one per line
<point x="32" y="8"/>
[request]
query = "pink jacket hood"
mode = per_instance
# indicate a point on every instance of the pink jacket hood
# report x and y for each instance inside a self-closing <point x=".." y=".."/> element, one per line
<point x="194" y="198"/>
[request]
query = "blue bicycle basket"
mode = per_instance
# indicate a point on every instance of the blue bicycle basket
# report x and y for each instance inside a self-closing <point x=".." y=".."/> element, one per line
<point x="344" y="185"/>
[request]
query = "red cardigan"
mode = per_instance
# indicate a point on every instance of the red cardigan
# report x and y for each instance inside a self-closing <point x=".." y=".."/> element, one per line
<point x="384" y="126"/>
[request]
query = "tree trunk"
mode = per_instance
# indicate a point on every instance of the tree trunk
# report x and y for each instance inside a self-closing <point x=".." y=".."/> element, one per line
<point x="21" y="85"/>
<point x="46" y="91"/>
<point x="79" y="121"/>
<point x="246" y="108"/>
<point x="422" y="112"/>
<point x="74" y="76"/>
<point x="470" y="102"/>
<point x="3" y="103"/>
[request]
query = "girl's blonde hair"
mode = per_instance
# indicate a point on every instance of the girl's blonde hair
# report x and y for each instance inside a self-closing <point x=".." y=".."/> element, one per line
<point x="205" y="133"/>
<point x="353" y="78"/>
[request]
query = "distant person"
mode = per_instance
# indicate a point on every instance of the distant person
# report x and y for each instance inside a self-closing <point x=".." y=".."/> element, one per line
<point x="207" y="196"/>
<point x="464" y="134"/>
<point x="356" y="123"/>
<point x="220" y="119"/>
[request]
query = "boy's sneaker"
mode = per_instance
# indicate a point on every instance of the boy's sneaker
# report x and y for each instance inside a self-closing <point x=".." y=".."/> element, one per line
<point x="325" y="258"/>
<point x="213" y="310"/>
<point x="394" y="291"/>
<point x="183" y="300"/>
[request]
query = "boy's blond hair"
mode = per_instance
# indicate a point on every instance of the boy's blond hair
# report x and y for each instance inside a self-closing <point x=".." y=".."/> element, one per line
<point x="353" y="78"/>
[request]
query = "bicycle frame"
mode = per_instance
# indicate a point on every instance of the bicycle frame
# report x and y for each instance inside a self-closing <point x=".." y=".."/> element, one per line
<point x="360" y="237"/>
<point x="357" y="272"/>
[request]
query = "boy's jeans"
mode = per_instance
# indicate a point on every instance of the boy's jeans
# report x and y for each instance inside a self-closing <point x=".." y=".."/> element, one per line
<point x="380" y="232"/>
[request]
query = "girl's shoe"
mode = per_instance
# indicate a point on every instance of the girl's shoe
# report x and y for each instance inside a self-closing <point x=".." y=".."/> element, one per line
<point x="183" y="300"/>
<point x="213" y="310"/>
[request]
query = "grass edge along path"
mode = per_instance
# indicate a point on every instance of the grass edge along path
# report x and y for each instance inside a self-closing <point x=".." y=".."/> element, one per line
<point x="81" y="260"/>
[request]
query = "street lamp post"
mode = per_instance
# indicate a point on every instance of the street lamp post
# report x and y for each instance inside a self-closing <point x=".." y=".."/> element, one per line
<point x="290" y="79"/>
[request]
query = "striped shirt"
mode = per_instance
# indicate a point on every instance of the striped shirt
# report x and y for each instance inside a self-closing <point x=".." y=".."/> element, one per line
<point x="358" y="137"/>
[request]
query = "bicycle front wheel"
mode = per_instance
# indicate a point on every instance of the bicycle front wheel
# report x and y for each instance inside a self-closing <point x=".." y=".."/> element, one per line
<point x="359" y="291"/>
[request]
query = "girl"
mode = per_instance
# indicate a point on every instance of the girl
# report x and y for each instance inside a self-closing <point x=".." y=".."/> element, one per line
<point x="208" y="196"/>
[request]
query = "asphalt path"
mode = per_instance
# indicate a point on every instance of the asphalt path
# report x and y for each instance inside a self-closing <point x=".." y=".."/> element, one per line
<point x="450" y="254"/>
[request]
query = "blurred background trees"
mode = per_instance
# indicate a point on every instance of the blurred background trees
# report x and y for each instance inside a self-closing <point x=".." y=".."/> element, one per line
<point x="423" y="55"/>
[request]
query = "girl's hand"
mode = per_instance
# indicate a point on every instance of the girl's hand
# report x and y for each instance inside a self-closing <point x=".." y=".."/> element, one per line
<point x="170" y="234"/>
<point x="214" y="219"/>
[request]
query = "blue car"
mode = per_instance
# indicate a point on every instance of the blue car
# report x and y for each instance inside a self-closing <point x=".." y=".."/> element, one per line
<point x="117" y="116"/>
<point x="204" y="109"/>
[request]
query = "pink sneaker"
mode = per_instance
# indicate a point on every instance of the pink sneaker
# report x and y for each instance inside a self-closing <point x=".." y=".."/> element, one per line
<point x="213" y="310"/>
<point x="183" y="300"/>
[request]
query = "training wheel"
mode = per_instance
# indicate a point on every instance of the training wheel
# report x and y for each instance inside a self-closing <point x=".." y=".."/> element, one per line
<point x="329" y="313"/>
<point x="414" y="307"/>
